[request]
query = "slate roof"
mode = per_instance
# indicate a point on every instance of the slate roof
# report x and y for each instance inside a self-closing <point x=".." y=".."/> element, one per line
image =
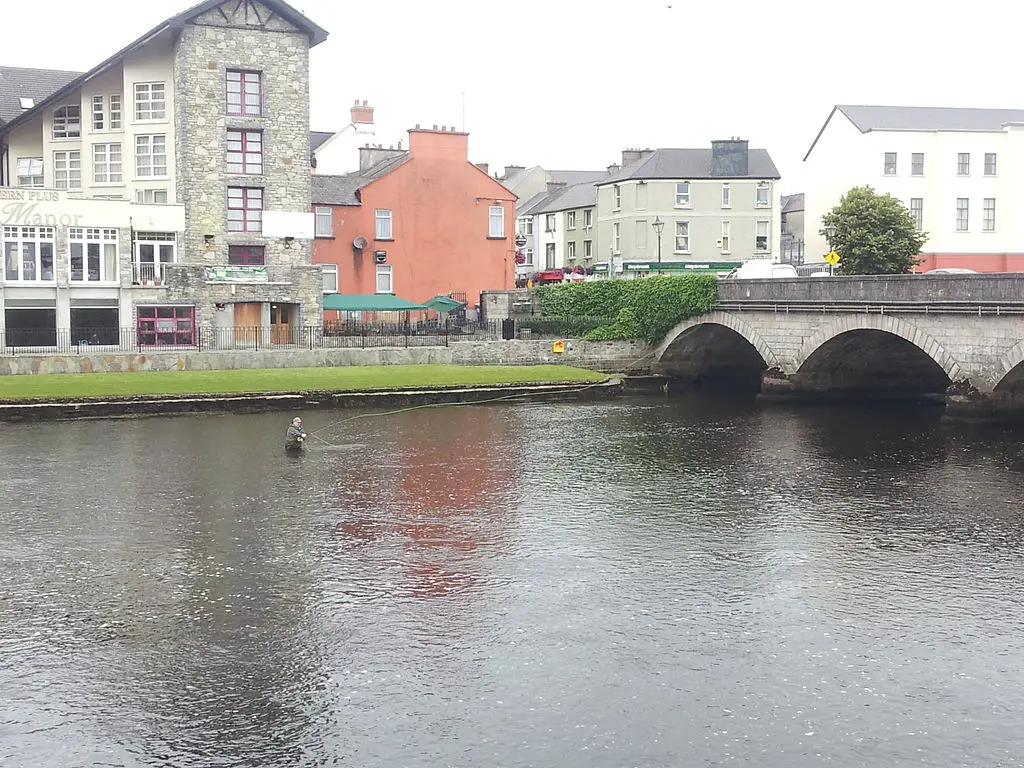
<point x="792" y="203"/>
<point x="669" y="163"/>
<point x="37" y="84"/>
<point x="344" y="190"/>
<point x="316" y="138"/>
<point x="526" y="207"/>
<point x="577" y="196"/>
<point x="576" y="177"/>
<point x="878" y="118"/>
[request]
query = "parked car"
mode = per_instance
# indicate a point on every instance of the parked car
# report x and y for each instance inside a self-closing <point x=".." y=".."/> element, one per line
<point x="762" y="269"/>
<point x="950" y="271"/>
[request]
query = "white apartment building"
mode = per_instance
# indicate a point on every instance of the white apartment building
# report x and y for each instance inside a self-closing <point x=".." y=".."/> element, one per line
<point x="958" y="171"/>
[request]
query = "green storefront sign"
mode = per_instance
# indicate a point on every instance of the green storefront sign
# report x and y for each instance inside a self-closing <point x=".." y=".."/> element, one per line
<point x="236" y="274"/>
<point x="680" y="266"/>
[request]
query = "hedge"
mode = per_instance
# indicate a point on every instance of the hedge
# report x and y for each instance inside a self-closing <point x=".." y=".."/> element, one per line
<point x="571" y="327"/>
<point x="645" y="309"/>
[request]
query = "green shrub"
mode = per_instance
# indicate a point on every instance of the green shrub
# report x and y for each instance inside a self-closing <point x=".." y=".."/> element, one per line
<point x="570" y="327"/>
<point x="645" y="309"/>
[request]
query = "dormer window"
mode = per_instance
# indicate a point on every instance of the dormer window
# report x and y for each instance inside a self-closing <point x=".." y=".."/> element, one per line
<point x="67" y="123"/>
<point x="26" y="102"/>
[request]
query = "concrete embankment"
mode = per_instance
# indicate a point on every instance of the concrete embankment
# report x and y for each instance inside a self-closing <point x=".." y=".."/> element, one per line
<point x="164" y="405"/>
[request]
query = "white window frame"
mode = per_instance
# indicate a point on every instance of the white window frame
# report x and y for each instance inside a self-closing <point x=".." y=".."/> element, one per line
<point x="963" y="163"/>
<point x="726" y="195"/>
<point x="682" y="237"/>
<point x="889" y="169"/>
<point x="18" y="242"/>
<point x="915" y="168"/>
<point x="726" y="237"/>
<point x="67" y="169"/>
<point x="496" y="222"/>
<point x="617" y="191"/>
<point x="616" y="238"/>
<point x="330" y="277"/>
<point x="570" y="219"/>
<point x="141" y="196"/>
<point x="549" y="256"/>
<point x="115" y="112"/>
<point x="67" y="125"/>
<point x="763" y="200"/>
<point x="383" y="224"/>
<point x="994" y="167"/>
<point x="147" y="159"/>
<point x="549" y="222"/>
<point x="588" y="249"/>
<point x="988" y="215"/>
<point x="588" y="218"/>
<point x="323" y="221"/>
<point x="150" y="102"/>
<point x="683" y="194"/>
<point x="164" y="245"/>
<point x="917" y="212"/>
<point x="760" y="225"/>
<point x="963" y="223"/>
<point x="98" y="113"/>
<point x="570" y="250"/>
<point x="30" y="173"/>
<point x="528" y="255"/>
<point x="81" y="241"/>
<point x="105" y="169"/>
<point x="384" y="270"/>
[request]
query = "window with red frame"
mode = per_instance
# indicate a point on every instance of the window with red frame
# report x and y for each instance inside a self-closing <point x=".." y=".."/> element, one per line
<point x="245" y="209"/>
<point x="246" y="255"/>
<point x="245" y="152"/>
<point x="244" y="93"/>
<point x="167" y="326"/>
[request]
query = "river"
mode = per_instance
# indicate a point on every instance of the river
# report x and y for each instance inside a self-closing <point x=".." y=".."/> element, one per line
<point x="626" y="584"/>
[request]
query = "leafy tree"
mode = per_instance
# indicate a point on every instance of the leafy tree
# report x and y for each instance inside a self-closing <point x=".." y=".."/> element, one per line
<point x="874" y="234"/>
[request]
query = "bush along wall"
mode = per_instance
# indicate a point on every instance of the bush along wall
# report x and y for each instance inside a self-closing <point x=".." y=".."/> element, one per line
<point x="644" y="309"/>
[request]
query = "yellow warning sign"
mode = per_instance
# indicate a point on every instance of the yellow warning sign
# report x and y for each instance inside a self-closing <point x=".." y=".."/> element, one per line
<point x="832" y="258"/>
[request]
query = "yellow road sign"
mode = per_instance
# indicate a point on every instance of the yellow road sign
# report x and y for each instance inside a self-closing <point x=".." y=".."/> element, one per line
<point x="832" y="258"/>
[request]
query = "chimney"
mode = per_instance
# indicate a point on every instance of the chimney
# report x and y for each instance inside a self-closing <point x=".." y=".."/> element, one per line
<point x="362" y="113"/>
<point x="613" y="168"/>
<point x="556" y="186"/>
<point x="485" y="167"/>
<point x="729" y="158"/>
<point x="510" y="169"/>
<point x="369" y="156"/>
<point x="630" y="156"/>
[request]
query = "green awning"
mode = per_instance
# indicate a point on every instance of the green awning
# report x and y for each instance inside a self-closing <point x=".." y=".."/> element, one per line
<point x="444" y="304"/>
<point x="368" y="302"/>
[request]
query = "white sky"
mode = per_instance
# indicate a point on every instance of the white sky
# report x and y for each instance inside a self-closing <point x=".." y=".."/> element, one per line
<point x="570" y="83"/>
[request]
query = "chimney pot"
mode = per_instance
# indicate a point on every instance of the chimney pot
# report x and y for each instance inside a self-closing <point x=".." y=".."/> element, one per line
<point x="435" y="126"/>
<point x="357" y="102"/>
<point x="364" y="102"/>
<point x="417" y="128"/>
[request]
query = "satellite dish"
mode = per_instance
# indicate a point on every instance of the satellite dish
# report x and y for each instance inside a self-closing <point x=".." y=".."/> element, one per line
<point x="359" y="243"/>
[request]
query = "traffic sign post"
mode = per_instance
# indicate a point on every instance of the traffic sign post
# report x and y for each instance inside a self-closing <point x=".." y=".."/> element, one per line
<point x="520" y="240"/>
<point x="832" y="258"/>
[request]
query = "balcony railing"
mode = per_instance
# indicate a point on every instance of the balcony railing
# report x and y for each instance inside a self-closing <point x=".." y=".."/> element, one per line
<point x="148" y="273"/>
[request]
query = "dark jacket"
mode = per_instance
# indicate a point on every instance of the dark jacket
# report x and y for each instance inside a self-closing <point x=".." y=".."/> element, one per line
<point x="295" y="437"/>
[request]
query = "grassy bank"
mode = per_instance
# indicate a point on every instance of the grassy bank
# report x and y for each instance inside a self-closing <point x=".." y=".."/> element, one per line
<point x="349" y="379"/>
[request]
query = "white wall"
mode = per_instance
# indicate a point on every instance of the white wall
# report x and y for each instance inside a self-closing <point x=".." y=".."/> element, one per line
<point x="340" y="153"/>
<point x="543" y="237"/>
<point x="844" y="158"/>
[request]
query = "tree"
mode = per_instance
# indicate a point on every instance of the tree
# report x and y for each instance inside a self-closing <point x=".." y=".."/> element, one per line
<point x="873" y="234"/>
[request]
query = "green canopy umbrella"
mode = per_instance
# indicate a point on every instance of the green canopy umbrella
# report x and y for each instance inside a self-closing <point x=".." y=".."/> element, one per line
<point x="444" y="304"/>
<point x="369" y="302"/>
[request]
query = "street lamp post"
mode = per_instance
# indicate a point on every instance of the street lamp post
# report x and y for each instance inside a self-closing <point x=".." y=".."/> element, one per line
<point x="830" y="231"/>
<point x="658" y="226"/>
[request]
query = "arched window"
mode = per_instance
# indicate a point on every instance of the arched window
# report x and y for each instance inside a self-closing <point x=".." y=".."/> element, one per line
<point x="67" y="122"/>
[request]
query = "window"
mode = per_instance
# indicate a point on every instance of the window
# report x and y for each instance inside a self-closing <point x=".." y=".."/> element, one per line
<point x="988" y="222"/>
<point x="150" y="101"/>
<point x="641" y="235"/>
<point x="526" y="226"/>
<point x="245" y="152"/>
<point x="97" y="113"/>
<point x="28" y="253"/>
<point x="93" y="255"/>
<point x="616" y="241"/>
<point x="150" y="156"/>
<point x="917" y="164"/>
<point x="917" y="212"/>
<point x="726" y="231"/>
<point x="963" y="214"/>
<point x="570" y="250"/>
<point x="570" y="220"/>
<point x="30" y="172"/>
<point x="683" y="194"/>
<point x="244" y="93"/>
<point x="115" y="112"/>
<point x="164" y="326"/>
<point x="330" y="277"/>
<point x="726" y="196"/>
<point x="67" y="123"/>
<point x="761" y="241"/>
<point x="890" y="163"/>
<point x="588" y="217"/>
<point x="152" y="251"/>
<point x="990" y="163"/>
<point x="549" y="223"/>
<point x="323" y="222"/>
<point x="106" y="164"/>
<point x="617" y="192"/>
<point x="682" y="237"/>
<point x="963" y="164"/>
<point x="588" y="249"/>
<point x="246" y="255"/>
<point x="764" y="191"/>
<point x="245" y="209"/>
<point x="529" y="257"/>
<point x="384" y="281"/>
<point x="383" y="224"/>
<point x="549" y="256"/>
<point x="496" y="221"/>
<point x="67" y="170"/>
<point x="151" y="196"/>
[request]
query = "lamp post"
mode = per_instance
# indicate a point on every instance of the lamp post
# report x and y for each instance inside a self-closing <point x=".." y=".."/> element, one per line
<point x="658" y="226"/>
<point x="830" y="232"/>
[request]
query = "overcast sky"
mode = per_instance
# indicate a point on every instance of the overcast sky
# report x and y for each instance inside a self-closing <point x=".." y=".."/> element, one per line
<point x="570" y="83"/>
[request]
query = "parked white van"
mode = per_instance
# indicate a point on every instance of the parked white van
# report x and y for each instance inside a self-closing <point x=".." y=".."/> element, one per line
<point x="762" y="269"/>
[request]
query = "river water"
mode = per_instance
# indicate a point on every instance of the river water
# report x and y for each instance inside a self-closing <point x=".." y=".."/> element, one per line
<point x="638" y="583"/>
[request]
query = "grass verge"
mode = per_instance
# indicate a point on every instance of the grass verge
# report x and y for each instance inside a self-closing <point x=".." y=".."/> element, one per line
<point x="347" y="379"/>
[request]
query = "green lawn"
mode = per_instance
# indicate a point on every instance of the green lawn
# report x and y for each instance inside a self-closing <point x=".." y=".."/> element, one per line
<point x="354" y="378"/>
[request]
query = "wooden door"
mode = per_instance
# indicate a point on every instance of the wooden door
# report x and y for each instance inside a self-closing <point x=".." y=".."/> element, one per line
<point x="281" y="316"/>
<point x="248" y="319"/>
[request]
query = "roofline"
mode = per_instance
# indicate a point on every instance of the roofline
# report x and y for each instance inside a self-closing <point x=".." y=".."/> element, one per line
<point x="823" y="127"/>
<point x="513" y="195"/>
<point x="315" y="33"/>
<point x="698" y="177"/>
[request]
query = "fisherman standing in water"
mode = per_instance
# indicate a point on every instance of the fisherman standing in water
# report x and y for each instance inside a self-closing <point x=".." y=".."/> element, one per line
<point x="295" y="437"/>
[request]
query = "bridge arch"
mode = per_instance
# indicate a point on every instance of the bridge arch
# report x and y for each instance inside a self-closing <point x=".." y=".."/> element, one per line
<point x="1012" y="378"/>
<point x="728" y="320"/>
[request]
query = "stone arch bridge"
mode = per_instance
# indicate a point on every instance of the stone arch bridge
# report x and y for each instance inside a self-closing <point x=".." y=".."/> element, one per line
<point x="878" y="337"/>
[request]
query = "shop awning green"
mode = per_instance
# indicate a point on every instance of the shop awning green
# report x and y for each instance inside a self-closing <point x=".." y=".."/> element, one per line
<point x="369" y="302"/>
<point x="444" y="303"/>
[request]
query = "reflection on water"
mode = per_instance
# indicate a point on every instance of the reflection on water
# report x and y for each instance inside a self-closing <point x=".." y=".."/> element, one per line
<point x="645" y="583"/>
